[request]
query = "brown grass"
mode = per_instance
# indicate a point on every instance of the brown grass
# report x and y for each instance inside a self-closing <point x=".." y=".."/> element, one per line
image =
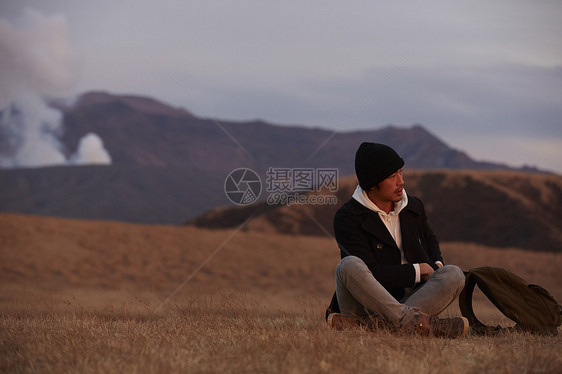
<point x="78" y="296"/>
<point x="235" y="336"/>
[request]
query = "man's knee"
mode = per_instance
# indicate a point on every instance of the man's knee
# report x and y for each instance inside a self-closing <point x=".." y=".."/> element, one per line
<point x="349" y="264"/>
<point x="454" y="274"/>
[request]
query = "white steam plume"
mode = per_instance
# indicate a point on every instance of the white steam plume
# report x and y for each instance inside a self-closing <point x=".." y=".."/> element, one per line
<point x="36" y="62"/>
<point x="91" y="151"/>
<point x="31" y="126"/>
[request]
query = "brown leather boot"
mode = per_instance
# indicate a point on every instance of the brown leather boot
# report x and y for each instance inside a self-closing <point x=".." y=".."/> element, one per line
<point x="455" y="327"/>
<point x="339" y="321"/>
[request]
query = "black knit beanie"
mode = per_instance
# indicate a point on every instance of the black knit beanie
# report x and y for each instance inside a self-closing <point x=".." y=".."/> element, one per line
<point x="374" y="163"/>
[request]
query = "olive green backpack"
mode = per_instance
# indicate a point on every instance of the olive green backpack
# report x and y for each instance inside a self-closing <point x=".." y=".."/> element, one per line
<point x="530" y="306"/>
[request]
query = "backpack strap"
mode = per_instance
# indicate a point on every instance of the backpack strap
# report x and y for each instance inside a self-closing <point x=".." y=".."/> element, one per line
<point x="465" y="305"/>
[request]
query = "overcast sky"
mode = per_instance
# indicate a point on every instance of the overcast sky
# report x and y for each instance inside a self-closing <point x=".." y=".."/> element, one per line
<point x="485" y="77"/>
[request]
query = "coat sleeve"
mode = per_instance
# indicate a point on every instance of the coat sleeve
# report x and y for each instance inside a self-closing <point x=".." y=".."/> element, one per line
<point x="385" y="264"/>
<point x="431" y="242"/>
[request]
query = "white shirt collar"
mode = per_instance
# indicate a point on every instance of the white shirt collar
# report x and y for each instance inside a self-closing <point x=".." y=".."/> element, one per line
<point x="361" y="196"/>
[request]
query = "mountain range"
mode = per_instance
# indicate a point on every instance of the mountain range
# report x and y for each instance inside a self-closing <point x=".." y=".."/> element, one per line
<point x="169" y="166"/>
<point x="139" y="131"/>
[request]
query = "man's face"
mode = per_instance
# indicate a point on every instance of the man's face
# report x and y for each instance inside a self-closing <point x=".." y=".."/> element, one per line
<point x="390" y="189"/>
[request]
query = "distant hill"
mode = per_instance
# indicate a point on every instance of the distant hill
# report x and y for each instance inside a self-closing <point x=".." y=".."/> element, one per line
<point x="131" y="193"/>
<point x="501" y="209"/>
<point x="169" y="165"/>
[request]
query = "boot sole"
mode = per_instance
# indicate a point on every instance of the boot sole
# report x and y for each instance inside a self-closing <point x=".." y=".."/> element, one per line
<point x="466" y="327"/>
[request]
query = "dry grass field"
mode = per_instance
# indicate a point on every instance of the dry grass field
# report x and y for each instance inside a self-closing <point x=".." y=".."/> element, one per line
<point x="86" y="296"/>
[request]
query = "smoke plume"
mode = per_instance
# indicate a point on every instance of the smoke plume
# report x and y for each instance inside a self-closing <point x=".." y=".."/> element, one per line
<point x="91" y="151"/>
<point x="37" y="63"/>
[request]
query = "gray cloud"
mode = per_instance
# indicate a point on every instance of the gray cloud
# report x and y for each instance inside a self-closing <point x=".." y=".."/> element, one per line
<point x="478" y="70"/>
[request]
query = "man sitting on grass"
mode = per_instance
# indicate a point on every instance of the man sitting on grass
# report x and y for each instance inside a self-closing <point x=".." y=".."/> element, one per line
<point x="392" y="272"/>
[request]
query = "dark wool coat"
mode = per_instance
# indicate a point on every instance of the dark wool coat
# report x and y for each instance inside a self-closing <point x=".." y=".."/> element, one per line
<point x="360" y="232"/>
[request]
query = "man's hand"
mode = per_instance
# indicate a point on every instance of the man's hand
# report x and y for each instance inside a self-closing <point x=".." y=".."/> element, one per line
<point x="425" y="271"/>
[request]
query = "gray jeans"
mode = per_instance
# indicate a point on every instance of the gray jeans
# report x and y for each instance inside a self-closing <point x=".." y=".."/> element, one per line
<point x="360" y="294"/>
